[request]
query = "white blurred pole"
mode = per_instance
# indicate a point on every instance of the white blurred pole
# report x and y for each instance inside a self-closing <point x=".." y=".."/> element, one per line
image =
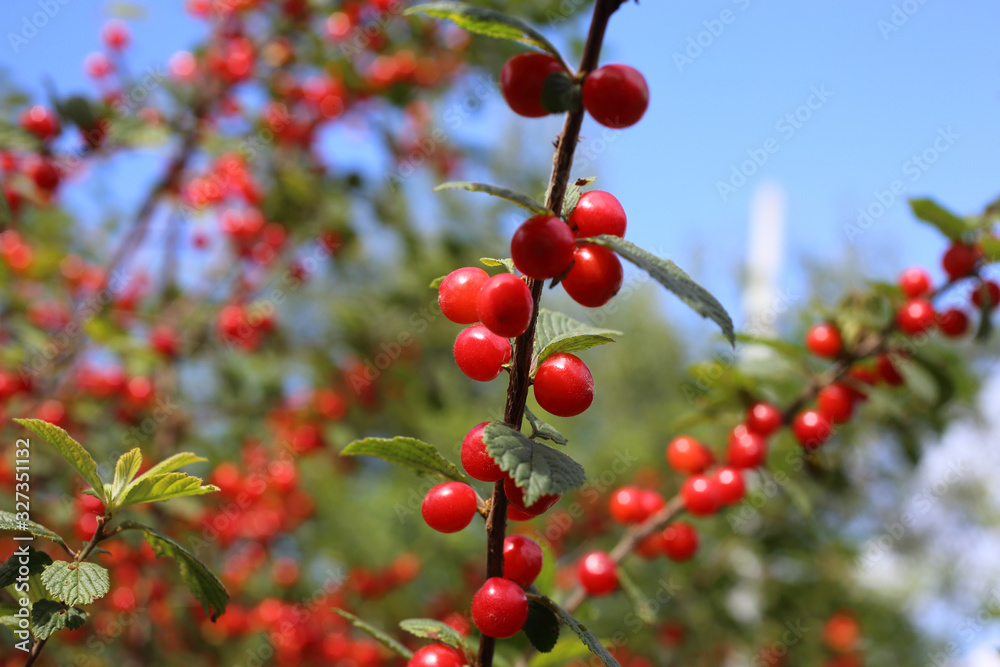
<point x="765" y="252"/>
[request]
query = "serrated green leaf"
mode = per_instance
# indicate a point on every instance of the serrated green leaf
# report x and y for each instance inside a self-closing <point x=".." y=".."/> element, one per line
<point x="946" y="222"/>
<point x="489" y="22"/>
<point x="171" y="464"/>
<point x="158" y="488"/>
<point x="674" y="279"/>
<point x="586" y="636"/>
<point x="376" y="634"/>
<point x="8" y="616"/>
<point x="540" y="429"/>
<point x="37" y="562"/>
<point x="407" y="452"/>
<point x="76" y="583"/>
<point x="48" y="617"/>
<point x="506" y="263"/>
<point x="126" y="469"/>
<point x="555" y="332"/>
<point x="69" y="449"/>
<point x="542" y="627"/>
<point x="538" y="469"/>
<point x="8" y="521"/>
<point x="204" y="585"/>
<point x="561" y="94"/>
<point x="429" y="628"/>
<point x="573" y="193"/>
<point x="522" y="200"/>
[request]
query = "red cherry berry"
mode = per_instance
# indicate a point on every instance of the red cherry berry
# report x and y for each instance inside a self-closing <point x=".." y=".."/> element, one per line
<point x="543" y="247"/>
<point x="986" y="290"/>
<point x="959" y="260"/>
<point x="115" y="35"/>
<point x="823" y="340"/>
<point x="680" y="541"/>
<point x="595" y="277"/>
<point x="953" y="323"/>
<point x="40" y="121"/>
<point x="522" y="560"/>
<point x="812" y="428"/>
<point x="522" y="81"/>
<point x="888" y="371"/>
<point x="436" y="655"/>
<point x="598" y="213"/>
<point x="449" y="507"/>
<point x="165" y="340"/>
<point x="700" y="494"/>
<point x="505" y="305"/>
<point x="747" y="449"/>
<point x="650" y="502"/>
<point x="626" y="505"/>
<point x="499" y="608"/>
<point x="564" y="385"/>
<point x="43" y="173"/>
<point x="598" y="573"/>
<point x="916" y="316"/>
<point x="763" y="419"/>
<point x="730" y="483"/>
<point x="458" y="294"/>
<point x="515" y="496"/>
<point x="476" y="461"/>
<point x="915" y="282"/>
<point x="651" y="546"/>
<point x="687" y="455"/>
<point x="616" y="95"/>
<point x="836" y="402"/>
<point x="480" y="353"/>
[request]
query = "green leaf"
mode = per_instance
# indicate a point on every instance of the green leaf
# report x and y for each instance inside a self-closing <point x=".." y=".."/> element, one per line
<point x="542" y="627"/>
<point x="945" y="384"/>
<point x="538" y="469"/>
<point x="8" y="616"/>
<point x="573" y="192"/>
<point x="407" y="452"/>
<point x="48" y="617"/>
<point x="126" y="469"/>
<point x="205" y="586"/>
<point x="489" y="22"/>
<point x="782" y="347"/>
<point x="77" y="110"/>
<point x="947" y="222"/>
<point x="797" y="494"/>
<point x="565" y="652"/>
<point x="556" y="332"/>
<point x="560" y="93"/>
<point x="37" y="562"/>
<point x="164" y="487"/>
<point x="506" y="263"/>
<point x="674" y="279"/>
<point x="522" y="200"/>
<point x="69" y="449"/>
<point x="171" y="464"/>
<point x="437" y="282"/>
<point x="540" y="429"/>
<point x="8" y="521"/>
<point x="918" y="380"/>
<point x="429" y="628"/>
<point x="14" y="137"/>
<point x="376" y="634"/>
<point x="6" y="218"/>
<point x="636" y="597"/>
<point x="76" y="583"/>
<point x="586" y="636"/>
<point x="991" y="248"/>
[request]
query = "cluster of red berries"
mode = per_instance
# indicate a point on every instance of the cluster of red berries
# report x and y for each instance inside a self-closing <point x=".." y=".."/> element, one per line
<point x="615" y="95"/>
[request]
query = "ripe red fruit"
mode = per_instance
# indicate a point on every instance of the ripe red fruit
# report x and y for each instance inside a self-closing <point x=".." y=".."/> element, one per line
<point x="598" y="213"/>
<point x="598" y="573"/>
<point x="729" y="481"/>
<point x="505" y="305"/>
<point x="564" y="385"/>
<point x="953" y="323"/>
<point x="687" y="455"/>
<point x="763" y="418"/>
<point x="823" y="340"/>
<point x="836" y="402"/>
<point x="747" y="449"/>
<point x="888" y="371"/>
<point x="449" y="507"/>
<point x="165" y="340"/>
<point x="522" y="560"/>
<point x="986" y="289"/>
<point x="480" y="353"/>
<point x="650" y="502"/>
<point x="651" y="546"/>
<point x="458" y="294"/>
<point x="680" y="541"/>
<point x="959" y="260"/>
<point x="515" y="496"/>
<point x="476" y="461"/>
<point x="115" y="35"/>
<point x="43" y="173"/>
<point x="812" y="428"/>
<point x="700" y="494"/>
<point x="436" y="655"/>
<point x="499" y="608"/>
<point x="625" y="505"/>
<point x="616" y="95"/>
<point x="542" y="247"/>
<point x="596" y="276"/>
<point x="915" y="282"/>
<point x="916" y="316"/>
<point x="40" y="121"/>
<point x="522" y="81"/>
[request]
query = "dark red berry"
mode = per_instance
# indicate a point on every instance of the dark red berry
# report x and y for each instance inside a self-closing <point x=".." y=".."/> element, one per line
<point x="987" y="292"/>
<point x="915" y="282"/>
<point x="888" y="371"/>
<point x="476" y="461"/>
<point x="763" y="418"/>
<point x="543" y="247"/>
<point x="505" y="305"/>
<point x="449" y="507"/>
<point x="499" y="608"/>
<point x="522" y="560"/>
<point x="953" y="323"/>
<point x="598" y="573"/>
<point x="40" y="121"/>
<point x="436" y="655"/>
<point x="836" y="402"/>
<point x="812" y="428"/>
<point x="626" y="505"/>
<point x="616" y="95"/>
<point x="823" y="340"/>
<point x="458" y="294"/>
<point x="480" y="353"/>
<point x="680" y="541"/>
<point x="729" y="482"/>
<point x="596" y="276"/>
<point x="959" y="260"/>
<point x="522" y="81"/>
<point x="598" y="213"/>
<point x="700" y="494"/>
<point x="747" y="449"/>
<point x="43" y="173"/>
<point x="916" y="316"/>
<point x="515" y="496"/>
<point x="564" y="385"/>
<point x="687" y="455"/>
